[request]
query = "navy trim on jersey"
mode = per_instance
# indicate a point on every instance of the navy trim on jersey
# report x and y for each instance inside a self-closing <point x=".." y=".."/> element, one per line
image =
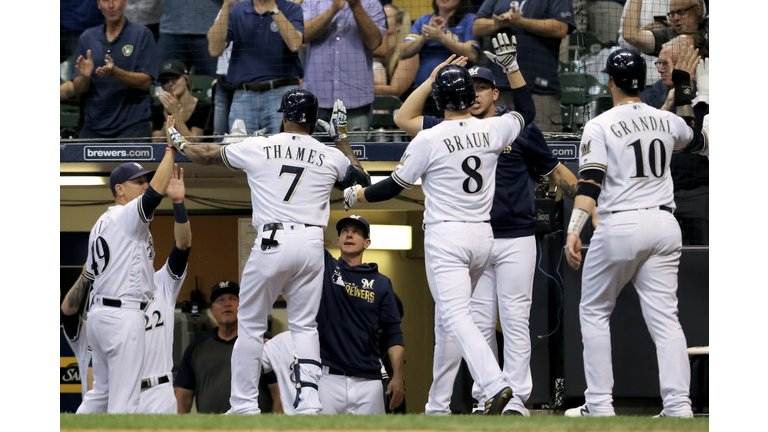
<point x="224" y="158"/>
<point x="148" y="202"/>
<point x="598" y="166"/>
<point x="520" y="165"/>
<point x="401" y="182"/>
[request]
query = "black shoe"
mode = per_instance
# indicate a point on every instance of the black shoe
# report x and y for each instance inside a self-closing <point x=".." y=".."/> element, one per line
<point x="495" y="404"/>
<point x="512" y="413"/>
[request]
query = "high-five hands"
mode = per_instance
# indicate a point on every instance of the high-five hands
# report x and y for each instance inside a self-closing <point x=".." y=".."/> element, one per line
<point x="506" y="53"/>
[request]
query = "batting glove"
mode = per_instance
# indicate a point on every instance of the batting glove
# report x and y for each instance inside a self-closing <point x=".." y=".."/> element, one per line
<point x="337" y="129"/>
<point x="179" y="142"/>
<point x="506" y="53"/>
<point x="350" y="196"/>
<point x="702" y="81"/>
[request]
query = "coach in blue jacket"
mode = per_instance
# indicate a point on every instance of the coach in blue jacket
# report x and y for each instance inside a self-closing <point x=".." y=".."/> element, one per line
<point x="357" y="301"/>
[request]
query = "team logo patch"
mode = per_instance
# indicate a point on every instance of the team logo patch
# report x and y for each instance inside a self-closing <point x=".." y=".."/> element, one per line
<point x="473" y="70"/>
<point x="585" y="148"/>
<point x="273" y="27"/>
<point x="368" y="284"/>
<point x="127" y="50"/>
<point x="138" y="166"/>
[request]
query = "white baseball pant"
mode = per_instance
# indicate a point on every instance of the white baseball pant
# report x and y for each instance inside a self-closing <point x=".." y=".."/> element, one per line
<point x="456" y="254"/>
<point x="513" y="263"/>
<point x="642" y="246"/>
<point x="159" y="398"/>
<point x="295" y="270"/>
<point x="341" y="394"/>
<point x="116" y="337"/>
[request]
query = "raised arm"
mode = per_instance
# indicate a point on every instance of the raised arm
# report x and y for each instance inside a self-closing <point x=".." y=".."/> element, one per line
<point x="639" y="38"/>
<point x="182" y="232"/>
<point x="409" y="117"/>
<point x="319" y="24"/>
<point x="292" y="37"/>
<point x="164" y="171"/>
<point x="402" y="79"/>
<point x="506" y="58"/>
<point x="217" y="34"/>
<point x="368" y="30"/>
<point x="82" y="82"/>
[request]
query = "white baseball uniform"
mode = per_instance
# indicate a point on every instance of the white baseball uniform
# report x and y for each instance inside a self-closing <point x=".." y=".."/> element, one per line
<point x="456" y="161"/>
<point x="291" y="177"/>
<point x="705" y="133"/>
<point x="638" y="240"/>
<point x="77" y="338"/>
<point x="278" y="358"/>
<point x="120" y="255"/>
<point x="157" y="396"/>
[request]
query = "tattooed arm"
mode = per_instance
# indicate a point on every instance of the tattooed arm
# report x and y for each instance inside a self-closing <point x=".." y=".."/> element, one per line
<point x="75" y="295"/>
<point x="564" y="179"/>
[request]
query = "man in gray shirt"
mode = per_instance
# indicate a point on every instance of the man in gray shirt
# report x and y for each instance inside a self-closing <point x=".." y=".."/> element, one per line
<point x="183" y="33"/>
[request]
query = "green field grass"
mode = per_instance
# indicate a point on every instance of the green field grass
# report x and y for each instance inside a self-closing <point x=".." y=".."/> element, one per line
<point x="389" y="422"/>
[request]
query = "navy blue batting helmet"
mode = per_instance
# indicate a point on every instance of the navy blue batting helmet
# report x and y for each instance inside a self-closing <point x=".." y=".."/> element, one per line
<point x="453" y="89"/>
<point x="627" y="68"/>
<point x="299" y="106"/>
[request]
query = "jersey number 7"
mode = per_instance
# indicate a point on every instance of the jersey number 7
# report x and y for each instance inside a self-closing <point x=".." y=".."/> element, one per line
<point x="298" y="173"/>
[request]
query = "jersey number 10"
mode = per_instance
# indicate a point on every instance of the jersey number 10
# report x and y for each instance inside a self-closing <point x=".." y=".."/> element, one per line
<point x="657" y="159"/>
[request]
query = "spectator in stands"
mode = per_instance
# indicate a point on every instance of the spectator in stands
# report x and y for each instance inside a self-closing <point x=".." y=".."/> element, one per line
<point x="205" y="372"/>
<point x="690" y="172"/>
<point x="392" y="76"/>
<point x="183" y="29"/>
<point x="265" y="37"/>
<point x="341" y="37"/>
<point x="686" y="17"/>
<point x="604" y="18"/>
<point x="189" y="112"/>
<point x="652" y="17"/>
<point x="539" y="28"/>
<point x="222" y="89"/>
<point x="76" y="16"/>
<point x="115" y="67"/>
<point x="146" y="12"/>
<point x="435" y="36"/>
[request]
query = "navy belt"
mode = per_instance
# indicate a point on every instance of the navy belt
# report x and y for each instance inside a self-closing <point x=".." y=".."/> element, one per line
<point x="117" y="303"/>
<point x="665" y="208"/>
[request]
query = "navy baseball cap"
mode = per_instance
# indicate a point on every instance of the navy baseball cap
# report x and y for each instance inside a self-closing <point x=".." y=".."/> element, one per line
<point x="482" y="73"/>
<point x="359" y="220"/>
<point x="224" y="287"/>
<point x="172" y="68"/>
<point x="127" y="171"/>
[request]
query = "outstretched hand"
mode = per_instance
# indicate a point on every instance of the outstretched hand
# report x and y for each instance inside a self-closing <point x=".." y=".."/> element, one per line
<point x="337" y="128"/>
<point x="689" y="59"/>
<point x="176" y="189"/>
<point x="506" y="53"/>
<point x="461" y="61"/>
<point x="84" y="65"/>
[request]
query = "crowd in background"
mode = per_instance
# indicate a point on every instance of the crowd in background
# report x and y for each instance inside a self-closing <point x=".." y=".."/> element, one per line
<point x="130" y="63"/>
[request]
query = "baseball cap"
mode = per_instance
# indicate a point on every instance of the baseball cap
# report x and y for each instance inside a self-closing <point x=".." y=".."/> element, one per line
<point x="224" y="287"/>
<point x="483" y="73"/>
<point x="172" y="68"/>
<point x="127" y="171"/>
<point x="357" y="220"/>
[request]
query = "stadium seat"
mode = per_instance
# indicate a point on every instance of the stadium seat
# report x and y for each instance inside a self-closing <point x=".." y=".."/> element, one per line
<point x="201" y="86"/>
<point x="384" y="108"/>
<point x="69" y="120"/>
<point x="584" y="43"/>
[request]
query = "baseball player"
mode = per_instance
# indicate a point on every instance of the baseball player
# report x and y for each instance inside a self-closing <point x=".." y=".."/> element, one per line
<point x="120" y="256"/>
<point x="624" y="169"/>
<point x="457" y="160"/>
<point x="73" y="314"/>
<point x="277" y="360"/>
<point x="357" y="301"/>
<point x="291" y="176"/>
<point x="513" y="220"/>
<point x="157" y="396"/>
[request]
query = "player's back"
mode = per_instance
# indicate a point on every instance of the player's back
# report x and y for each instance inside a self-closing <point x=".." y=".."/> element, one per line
<point x="159" y="323"/>
<point x="633" y="143"/>
<point x="290" y="175"/>
<point x="457" y="161"/>
<point x="121" y="253"/>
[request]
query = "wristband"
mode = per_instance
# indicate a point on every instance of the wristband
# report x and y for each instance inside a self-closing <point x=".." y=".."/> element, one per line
<point x="180" y="213"/>
<point x="171" y="149"/>
<point x="578" y="220"/>
<point x="683" y="89"/>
